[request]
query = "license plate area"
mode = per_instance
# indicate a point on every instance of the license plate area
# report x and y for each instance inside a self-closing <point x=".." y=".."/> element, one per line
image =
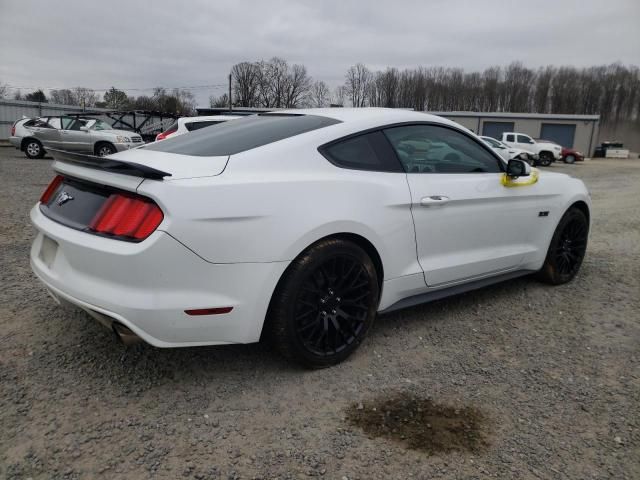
<point x="48" y="251"/>
<point x="75" y="203"/>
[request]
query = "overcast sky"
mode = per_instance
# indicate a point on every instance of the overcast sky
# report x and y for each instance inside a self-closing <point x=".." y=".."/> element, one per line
<point x="176" y="43"/>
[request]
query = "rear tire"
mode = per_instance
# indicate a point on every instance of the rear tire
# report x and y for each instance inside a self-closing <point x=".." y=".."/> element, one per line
<point x="567" y="248"/>
<point x="324" y="305"/>
<point x="570" y="159"/>
<point x="33" y="149"/>
<point x="545" y="159"/>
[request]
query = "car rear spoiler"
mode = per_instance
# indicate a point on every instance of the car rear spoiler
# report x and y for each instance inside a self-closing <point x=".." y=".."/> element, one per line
<point x="108" y="164"/>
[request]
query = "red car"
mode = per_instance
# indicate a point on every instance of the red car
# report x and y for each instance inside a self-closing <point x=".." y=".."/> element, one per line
<point x="569" y="155"/>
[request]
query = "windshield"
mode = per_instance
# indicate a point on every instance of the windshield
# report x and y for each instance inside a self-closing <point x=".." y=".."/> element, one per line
<point x="98" y="125"/>
<point x="492" y="142"/>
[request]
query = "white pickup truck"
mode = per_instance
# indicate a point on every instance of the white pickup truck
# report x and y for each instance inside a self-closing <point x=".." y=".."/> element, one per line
<point x="544" y="151"/>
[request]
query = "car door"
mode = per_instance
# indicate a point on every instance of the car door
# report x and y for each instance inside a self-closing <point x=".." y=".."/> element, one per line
<point x="47" y="130"/>
<point x="467" y="224"/>
<point x="74" y="139"/>
<point x="525" y="142"/>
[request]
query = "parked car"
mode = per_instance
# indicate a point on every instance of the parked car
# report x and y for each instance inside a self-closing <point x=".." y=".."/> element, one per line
<point x="509" y="153"/>
<point x="189" y="124"/>
<point x="547" y="152"/>
<point x="570" y="155"/>
<point x="22" y="137"/>
<point x="84" y="135"/>
<point x="299" y="225"/>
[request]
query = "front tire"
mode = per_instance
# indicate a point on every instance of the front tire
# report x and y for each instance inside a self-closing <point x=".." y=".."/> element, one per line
<point x="33" y="149"/>
<point x="545" y="159"/>
<point x="567" y="248"/>
<point x="325" y="304"/>
<point x="570" y="159"/>
<point x="104" y="149"/>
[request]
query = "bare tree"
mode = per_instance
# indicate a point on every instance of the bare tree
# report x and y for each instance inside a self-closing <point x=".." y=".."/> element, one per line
<point x="4" y="90"/>
<point x="339" y="95"/>
<point x="63" y="96"/>
<point x="357" y="82"/>
<point x="246" y="81"/>
<point x="85" y="97"/>
<point x="220" y="102"/>
<point x="320" y="95"/>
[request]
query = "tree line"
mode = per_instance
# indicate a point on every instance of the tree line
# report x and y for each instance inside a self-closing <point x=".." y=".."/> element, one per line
<point x="177" y="101"/>
<point x="612" y="91"/>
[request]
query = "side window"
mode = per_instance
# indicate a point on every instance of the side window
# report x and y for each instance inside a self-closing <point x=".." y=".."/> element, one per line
<point x="369" y="151"/>
<point x="41" y="123"/>
<point x="66" y="122"/>
<point x="511" y="138"/>
<point x="524" y="139"/>
<point x="70" y="123"/>
<point x="191" y="126"/>
<point x="436" y="149"/>
<point x="54" y="123"/>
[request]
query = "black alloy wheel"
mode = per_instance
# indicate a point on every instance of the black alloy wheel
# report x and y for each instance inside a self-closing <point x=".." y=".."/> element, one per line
<point x="567" y="249"/>
<point x="545" y="159"/>
<point x="325" y="304"/>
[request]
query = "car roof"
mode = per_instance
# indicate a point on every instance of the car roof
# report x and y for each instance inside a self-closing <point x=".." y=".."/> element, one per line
<point x="206" y="118"/>
<point x="356" y="119"/>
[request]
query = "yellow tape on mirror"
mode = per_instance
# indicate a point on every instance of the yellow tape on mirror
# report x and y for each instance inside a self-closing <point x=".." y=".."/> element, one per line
<point x="508" y="181"/>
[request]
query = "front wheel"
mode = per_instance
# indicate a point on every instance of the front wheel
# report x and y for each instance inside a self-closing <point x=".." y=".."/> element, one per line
<point x="567" y="248"/>
<point x="545" y="159"/>
<point x="570" y="159"/>
<point x="325" y="304"/>
<point x="105" y="149"/>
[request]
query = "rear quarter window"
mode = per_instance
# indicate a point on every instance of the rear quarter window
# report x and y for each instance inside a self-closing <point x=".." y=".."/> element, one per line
<point x="242" y="134"/>
<point x="370" y="151"/>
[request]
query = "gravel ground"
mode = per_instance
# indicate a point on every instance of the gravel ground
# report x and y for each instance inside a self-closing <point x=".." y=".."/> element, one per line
<point x="550" y="375"/>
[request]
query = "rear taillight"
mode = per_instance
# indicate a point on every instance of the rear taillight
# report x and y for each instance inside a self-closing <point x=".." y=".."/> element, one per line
<point x="13" y="130"/>
<point x="53" y="186"/>
<point x="127" y="216"/>
<point x="163" y="135"/>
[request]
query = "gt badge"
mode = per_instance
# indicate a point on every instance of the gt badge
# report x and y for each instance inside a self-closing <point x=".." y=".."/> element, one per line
<point x="63" y="198"/>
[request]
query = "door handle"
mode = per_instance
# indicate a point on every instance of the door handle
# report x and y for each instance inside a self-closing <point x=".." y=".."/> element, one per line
<point x="434" y="200"/>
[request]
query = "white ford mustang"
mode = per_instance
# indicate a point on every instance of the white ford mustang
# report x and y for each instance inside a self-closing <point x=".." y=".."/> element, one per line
<point x="300" y="225"/>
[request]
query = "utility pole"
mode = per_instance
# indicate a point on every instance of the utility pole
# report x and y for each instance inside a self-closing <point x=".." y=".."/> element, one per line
<point x="230" y="102"/>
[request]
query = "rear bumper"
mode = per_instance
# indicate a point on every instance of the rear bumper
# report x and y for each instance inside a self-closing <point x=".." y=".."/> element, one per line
<point x="16" y="142"/>
<point x="147" y="286"/>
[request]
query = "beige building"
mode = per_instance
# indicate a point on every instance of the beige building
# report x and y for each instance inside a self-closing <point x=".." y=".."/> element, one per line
<point x="573" y="131"/>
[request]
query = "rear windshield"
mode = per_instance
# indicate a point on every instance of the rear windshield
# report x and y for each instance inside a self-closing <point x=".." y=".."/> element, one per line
<point x="241" y="135"/>
<point x="191" y="126"/>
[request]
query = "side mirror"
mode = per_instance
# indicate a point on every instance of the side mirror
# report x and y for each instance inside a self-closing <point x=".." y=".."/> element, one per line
<point x="518" y="168"/>
<point x="84" y="129"/>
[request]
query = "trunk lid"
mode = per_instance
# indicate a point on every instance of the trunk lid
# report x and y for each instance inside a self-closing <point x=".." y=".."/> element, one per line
<point x="178" y="166"/>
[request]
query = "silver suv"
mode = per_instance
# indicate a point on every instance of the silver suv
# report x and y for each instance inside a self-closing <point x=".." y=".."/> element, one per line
<point x="83" y="135"/>
<point x="22" y="137"/>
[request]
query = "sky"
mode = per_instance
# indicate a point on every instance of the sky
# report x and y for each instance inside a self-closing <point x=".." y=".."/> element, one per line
<point x="137" y="45"/>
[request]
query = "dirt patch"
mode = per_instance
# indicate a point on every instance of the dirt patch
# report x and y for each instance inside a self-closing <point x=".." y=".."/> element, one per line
<point x="420" y="423"/>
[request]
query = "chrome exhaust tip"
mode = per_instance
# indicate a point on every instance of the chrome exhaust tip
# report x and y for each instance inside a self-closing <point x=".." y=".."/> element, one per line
<point x="125" y="335"/>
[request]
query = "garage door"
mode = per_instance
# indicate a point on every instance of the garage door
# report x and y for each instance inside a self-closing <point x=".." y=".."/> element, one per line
<point x="562" y="134"/>
<point x="495" y="129"/>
